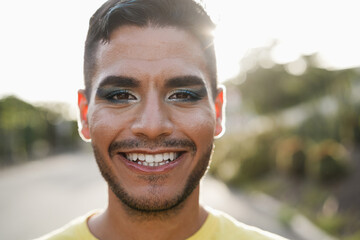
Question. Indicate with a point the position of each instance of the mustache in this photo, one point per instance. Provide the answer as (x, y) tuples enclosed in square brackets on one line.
[(150, 144)]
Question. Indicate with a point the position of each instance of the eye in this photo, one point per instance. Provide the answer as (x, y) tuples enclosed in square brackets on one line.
[(116, 95), (120, 95), (184, 95)]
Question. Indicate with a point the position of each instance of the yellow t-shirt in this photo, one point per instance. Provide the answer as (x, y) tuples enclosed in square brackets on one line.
[(218, 226)]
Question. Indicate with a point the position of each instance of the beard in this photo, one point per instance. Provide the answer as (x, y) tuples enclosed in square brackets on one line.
[(152, 202)]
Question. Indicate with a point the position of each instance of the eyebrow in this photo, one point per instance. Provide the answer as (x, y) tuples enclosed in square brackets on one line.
[(128, 82), (119, 81), (184, 81)]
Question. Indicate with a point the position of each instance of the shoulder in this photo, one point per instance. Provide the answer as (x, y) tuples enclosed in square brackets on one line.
[(76, 229), (229, 228)]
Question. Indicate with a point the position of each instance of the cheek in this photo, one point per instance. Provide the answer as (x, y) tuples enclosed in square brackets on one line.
[(104, 125), (199, 125)]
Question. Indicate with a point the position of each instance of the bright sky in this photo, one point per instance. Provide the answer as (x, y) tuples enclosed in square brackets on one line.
[(41, 48)]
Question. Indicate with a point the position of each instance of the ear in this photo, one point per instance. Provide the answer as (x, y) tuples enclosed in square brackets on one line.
[(219, 110), (84, 130)]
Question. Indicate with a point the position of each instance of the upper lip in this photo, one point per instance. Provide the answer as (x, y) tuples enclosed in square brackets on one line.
[(145, 146), (150, 151)]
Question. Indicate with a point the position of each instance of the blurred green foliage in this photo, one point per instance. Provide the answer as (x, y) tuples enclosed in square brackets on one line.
[(28, 132), (296, 137)]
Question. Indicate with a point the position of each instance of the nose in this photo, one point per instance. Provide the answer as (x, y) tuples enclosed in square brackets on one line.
[(153, 119)]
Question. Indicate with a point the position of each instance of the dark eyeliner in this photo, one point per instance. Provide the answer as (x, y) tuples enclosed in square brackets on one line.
[(198, 94), (201, 92), (195, 95), (109, 93)]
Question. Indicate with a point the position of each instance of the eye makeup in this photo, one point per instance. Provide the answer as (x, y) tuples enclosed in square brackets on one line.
[(187, 95), (115, 95)]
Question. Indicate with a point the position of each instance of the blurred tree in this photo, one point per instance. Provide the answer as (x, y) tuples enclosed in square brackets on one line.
[(304, 125), (28, 132), (270, 90)]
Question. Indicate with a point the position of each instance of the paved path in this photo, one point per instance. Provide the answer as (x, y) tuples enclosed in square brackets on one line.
[(42, 195)]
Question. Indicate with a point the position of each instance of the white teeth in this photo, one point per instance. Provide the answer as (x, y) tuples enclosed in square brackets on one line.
[(159, 158), (149, 158), (152, 159), (141, 157)]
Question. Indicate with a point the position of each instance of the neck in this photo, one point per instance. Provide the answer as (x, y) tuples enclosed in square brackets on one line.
[(120, 222)]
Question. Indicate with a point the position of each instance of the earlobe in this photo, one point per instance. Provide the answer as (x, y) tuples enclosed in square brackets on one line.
[(84, 130), (219, 109)]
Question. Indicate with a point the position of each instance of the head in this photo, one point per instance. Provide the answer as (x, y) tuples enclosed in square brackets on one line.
[(151, 106)]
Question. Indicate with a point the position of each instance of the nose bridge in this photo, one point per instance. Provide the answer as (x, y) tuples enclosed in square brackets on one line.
[(152, 120), (152, 109)]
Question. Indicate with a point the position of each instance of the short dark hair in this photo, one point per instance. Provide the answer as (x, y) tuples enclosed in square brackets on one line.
[(184, 14)]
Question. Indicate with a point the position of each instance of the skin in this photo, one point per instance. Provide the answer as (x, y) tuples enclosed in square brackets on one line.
[(158, 108)]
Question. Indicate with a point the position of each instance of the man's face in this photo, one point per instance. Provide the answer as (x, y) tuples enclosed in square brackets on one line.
[(151, 117)]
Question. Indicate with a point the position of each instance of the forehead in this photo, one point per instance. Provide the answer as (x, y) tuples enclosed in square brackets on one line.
[(150, 50)]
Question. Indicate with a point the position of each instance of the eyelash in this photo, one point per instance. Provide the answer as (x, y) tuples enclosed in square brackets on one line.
[(189, 96), (110, 96), (125, 96)]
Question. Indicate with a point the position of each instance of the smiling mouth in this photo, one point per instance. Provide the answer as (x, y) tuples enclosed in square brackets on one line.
[(152, 160)]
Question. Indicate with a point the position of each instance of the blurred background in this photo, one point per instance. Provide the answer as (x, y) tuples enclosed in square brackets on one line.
[(292, 72)]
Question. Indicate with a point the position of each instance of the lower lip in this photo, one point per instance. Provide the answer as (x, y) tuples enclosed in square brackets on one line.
[(134, 166)]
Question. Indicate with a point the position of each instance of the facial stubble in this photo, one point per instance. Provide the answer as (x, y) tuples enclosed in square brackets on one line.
[(154, 205)]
